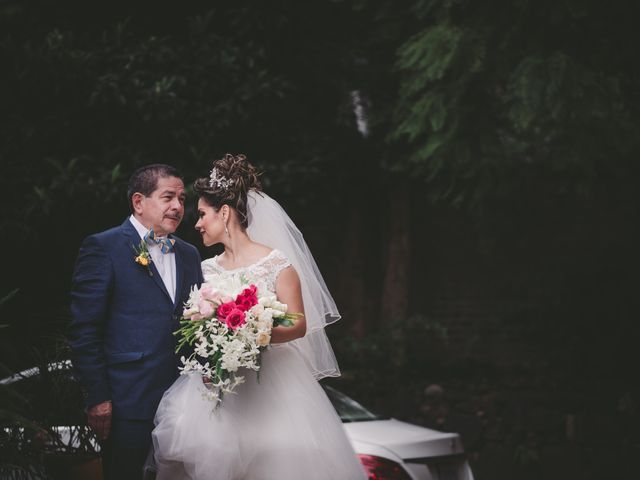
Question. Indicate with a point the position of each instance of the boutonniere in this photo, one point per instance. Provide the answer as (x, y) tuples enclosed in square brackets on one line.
[(143, 257)]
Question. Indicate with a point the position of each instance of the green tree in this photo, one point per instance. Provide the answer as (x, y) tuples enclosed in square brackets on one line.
[(482, 103)]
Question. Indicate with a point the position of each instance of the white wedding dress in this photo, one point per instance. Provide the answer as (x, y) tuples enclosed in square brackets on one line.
[(279, 426)]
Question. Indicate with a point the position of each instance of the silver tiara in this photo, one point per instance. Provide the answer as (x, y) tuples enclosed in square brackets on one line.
[(219, 181)]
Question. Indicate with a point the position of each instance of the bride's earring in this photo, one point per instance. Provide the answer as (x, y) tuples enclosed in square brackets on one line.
[(226, 230)]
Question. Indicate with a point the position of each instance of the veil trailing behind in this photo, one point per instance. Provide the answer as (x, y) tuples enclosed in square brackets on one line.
[(270, 225)]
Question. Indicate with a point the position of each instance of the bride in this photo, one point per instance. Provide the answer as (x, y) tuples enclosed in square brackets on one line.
[(280, 424)]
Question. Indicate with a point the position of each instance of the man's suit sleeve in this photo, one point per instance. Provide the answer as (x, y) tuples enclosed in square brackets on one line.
[(90, 292)]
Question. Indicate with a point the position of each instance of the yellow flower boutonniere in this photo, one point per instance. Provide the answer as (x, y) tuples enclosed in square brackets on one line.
[(143, 257)]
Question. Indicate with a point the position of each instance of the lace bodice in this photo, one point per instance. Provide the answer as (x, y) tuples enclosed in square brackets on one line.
[(265, 271)]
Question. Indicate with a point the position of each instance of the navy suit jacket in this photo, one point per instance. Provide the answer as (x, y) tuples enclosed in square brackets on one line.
[(123, 319)]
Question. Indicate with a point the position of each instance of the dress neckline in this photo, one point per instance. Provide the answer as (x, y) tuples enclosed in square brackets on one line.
[(232, 270)]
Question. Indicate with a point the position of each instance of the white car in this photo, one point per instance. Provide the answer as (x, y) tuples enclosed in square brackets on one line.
[(393, 450), (388, 449)]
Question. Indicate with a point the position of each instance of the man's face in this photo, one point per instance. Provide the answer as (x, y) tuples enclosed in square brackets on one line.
[(164, 208)]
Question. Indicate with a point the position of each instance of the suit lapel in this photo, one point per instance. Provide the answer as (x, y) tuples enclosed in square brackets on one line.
[(158, 279), (133, 239)]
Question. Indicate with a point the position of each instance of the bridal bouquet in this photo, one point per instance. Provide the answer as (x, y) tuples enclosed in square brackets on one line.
[(228, 321)]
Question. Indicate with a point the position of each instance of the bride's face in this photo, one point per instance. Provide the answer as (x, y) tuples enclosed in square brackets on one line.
[(210, 223)]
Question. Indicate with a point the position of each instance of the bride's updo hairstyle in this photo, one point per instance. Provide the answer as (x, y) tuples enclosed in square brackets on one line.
[(230, 180)]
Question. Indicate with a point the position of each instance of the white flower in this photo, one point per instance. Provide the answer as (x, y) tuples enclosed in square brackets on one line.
[(266, 301), (212, 395), (282, 307), (264, 339), (190, 312), (199, 333), (201, 349), (266, 316), (230, 284), (194, 297), (190, 365), (264, 326), (212, 325), (183, 361), (231, 361), (231, 355)]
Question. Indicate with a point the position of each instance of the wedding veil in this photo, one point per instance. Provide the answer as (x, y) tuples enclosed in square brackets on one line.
[(270, 225)]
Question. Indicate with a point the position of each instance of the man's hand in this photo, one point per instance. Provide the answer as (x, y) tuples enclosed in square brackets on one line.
[(99, 418)]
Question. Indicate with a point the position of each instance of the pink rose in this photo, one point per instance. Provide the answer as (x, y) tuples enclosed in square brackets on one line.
[(235, 319), (225, 309), (248, 298), (245, 303), (253, 290), (206, 308), (209, 292)]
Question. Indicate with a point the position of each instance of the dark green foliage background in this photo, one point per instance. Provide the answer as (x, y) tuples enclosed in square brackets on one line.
[(508, 130)]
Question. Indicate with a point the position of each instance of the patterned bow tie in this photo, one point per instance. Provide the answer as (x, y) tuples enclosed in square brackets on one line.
[(166, 244)]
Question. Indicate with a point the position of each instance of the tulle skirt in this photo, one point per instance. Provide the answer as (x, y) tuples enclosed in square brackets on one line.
[(280, 425)]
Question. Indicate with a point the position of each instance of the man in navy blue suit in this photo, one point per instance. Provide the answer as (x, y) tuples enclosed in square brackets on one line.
[(124, 311)]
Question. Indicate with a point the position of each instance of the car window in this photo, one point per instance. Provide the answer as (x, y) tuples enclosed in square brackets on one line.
[(348, 409)]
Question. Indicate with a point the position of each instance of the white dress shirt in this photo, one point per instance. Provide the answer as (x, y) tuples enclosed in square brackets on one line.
[(165, 262)]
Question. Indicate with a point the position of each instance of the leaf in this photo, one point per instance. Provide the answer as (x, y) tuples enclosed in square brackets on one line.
[(430, 54), (40, 193), (9, 296), (115, 173), (72, 163), (56, 163)]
